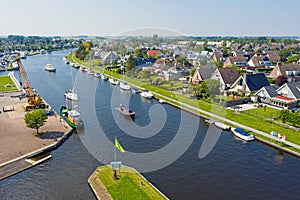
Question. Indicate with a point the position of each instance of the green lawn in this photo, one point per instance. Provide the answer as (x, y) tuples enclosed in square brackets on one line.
[(6, 84), (263, 113), (130, 184)]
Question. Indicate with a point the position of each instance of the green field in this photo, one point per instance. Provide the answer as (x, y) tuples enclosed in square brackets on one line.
[(129, 185), (6, 84)]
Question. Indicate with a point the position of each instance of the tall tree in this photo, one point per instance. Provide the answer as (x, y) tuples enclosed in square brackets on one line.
[(284, 115), (130, 64), (35, 119), (213, 87)]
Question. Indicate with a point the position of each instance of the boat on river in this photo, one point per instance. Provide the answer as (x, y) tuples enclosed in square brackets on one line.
[(219, 125), (50, 68), (113, 81), (72, 117), (124, 85), (242, 134), (134, 90), (146, 94), (126, 112), (71, 95), (97, 74), (103, 77)]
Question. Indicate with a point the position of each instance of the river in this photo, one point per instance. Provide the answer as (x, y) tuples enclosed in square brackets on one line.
[(167, 151)]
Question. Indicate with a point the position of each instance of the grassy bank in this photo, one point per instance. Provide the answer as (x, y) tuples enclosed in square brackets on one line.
[(6, 84), (129, 185), (253, 118)]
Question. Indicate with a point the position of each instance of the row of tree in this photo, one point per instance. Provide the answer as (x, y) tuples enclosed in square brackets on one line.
[(288, 116)]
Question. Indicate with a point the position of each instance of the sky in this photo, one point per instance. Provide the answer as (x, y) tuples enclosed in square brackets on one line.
[(140, 17)]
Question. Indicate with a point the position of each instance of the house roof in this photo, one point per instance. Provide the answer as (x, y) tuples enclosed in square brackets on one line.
[(288, 67), (229, 75), (206, 71), (153, 53), (218, 55), (256, 81), (110, 56), (294, 87), (273, 56), (163, 64), (257, 59), (239, 58), (271, 90)]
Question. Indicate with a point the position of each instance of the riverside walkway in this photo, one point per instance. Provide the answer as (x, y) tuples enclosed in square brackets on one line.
[(207, 114), (197, 110)]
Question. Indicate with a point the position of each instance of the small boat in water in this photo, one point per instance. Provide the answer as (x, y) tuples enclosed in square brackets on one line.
[(83, 68), (146, 94), (218, 124), (134, 90), (242, 134), (103, 77), (67, 62), (124, 85), (113, 81), (71, 95), (97, 74), (50, 68), (126, 112), (90, 71), (72, 117), (77, 66), (162, 101)]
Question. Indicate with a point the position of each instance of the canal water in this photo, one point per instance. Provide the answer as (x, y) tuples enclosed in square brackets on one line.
[(162, 141)]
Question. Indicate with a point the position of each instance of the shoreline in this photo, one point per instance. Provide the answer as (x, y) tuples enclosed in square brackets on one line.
[(207, 115), (21, 143)]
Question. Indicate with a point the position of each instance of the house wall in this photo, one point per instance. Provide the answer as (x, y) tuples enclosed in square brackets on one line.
[(227, 62), (217, 76), (250, 63), (275, 72), (285, 91)]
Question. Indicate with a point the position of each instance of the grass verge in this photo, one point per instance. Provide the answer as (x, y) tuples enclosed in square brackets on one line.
[(6, 84), (129, 185)]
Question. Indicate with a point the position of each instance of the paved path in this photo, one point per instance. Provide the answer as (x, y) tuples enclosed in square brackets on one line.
[(196, 110)]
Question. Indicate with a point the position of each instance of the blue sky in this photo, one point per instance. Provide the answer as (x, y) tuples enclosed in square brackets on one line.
[(172, 17)]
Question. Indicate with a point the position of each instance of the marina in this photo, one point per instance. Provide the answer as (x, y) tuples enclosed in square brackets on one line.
[(211, 177)]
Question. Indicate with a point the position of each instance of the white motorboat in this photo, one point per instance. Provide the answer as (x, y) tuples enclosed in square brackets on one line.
[(103, 77), (71, 95), (134, 90), (90, 71), (50, 68), (97, 74), (219, 125), (124, 85), (113, 81), (83, 68), (244, 135), (162, 101), (146, 94)]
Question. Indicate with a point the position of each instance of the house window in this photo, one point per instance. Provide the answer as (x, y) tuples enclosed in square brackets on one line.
[(241, 82)]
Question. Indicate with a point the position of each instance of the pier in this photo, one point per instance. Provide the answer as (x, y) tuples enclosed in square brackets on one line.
[(20, 147)]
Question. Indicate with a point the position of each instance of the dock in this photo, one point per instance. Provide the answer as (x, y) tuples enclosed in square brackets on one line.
[(20, 147)]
